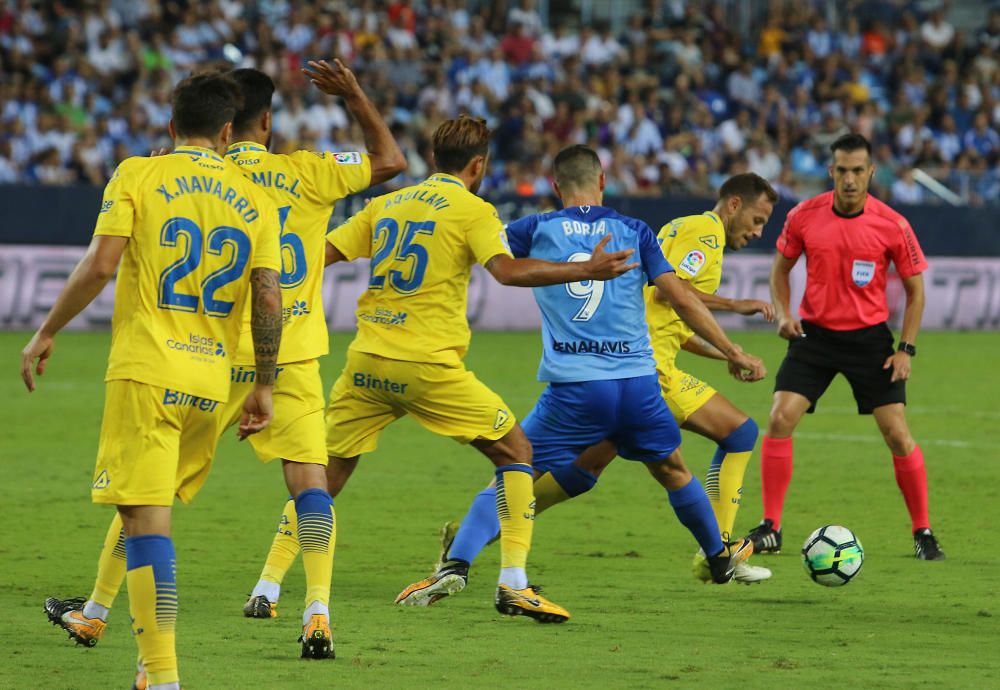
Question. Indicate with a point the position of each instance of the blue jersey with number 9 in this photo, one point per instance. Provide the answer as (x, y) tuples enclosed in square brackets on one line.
[(591, 330)]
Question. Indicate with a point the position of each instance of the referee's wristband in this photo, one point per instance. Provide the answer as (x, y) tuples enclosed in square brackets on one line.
[(908, 348)]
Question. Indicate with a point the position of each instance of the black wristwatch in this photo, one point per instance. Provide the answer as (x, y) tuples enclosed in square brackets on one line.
[(908, 348)]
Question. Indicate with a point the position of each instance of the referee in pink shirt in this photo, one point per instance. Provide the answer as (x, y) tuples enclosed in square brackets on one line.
[(849, 239)]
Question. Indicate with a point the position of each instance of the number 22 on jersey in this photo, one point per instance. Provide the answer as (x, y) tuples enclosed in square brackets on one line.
[(184, 231)]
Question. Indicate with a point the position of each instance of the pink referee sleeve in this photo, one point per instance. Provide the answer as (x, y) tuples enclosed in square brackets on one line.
[(906, 252)]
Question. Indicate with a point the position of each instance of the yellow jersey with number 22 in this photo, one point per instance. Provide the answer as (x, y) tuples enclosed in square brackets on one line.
[(196, 228)]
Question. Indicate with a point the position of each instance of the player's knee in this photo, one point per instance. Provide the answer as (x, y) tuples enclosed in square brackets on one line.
[(781, 423), (338, 471), (899, 440), (742, 439), (574, 480)]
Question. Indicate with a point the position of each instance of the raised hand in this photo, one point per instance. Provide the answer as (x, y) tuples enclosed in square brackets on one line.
[(333, 80)]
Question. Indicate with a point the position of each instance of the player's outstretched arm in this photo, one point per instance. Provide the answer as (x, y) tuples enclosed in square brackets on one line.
[(265, 327), (387, 159), (89, 277), (901, 361), (781, 294), (697, 345), (746, 307), (602, 265), (683, 298)]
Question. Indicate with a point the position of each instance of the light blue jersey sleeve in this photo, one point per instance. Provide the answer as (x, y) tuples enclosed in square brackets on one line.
[(519, 236)]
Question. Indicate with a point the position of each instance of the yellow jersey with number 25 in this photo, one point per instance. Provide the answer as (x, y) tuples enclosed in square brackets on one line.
[(422, 241), (694, 246), (196, 227), (305, 186)]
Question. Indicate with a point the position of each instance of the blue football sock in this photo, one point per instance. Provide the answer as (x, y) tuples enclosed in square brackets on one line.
[(695, 512), (480, 526)]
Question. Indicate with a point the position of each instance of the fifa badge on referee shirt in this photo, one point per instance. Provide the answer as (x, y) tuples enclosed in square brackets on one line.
[(862, 272)]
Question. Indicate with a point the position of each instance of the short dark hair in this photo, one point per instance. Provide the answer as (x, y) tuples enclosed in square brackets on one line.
[(458, 141), (204, 103), (257, 89), (851, 142), (748, 187), (576, 165)]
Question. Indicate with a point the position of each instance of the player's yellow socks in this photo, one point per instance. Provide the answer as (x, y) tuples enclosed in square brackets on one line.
[(548, 492), (152, 594), (516, 510), (317, 537), (111, 565), (284, 546), (724, 483), (561, 484)]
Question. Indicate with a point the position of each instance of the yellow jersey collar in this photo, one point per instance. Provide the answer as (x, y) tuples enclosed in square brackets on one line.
[(445, 177), (241, 146), (198, 151), (714, 216)]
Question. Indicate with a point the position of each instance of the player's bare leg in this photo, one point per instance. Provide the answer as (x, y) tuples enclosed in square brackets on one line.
[(776, 467), (152, 590), (317, 537), (735, 434), (911, 477)]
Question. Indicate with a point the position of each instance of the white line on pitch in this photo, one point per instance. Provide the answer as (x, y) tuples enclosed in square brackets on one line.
[(875, 438)]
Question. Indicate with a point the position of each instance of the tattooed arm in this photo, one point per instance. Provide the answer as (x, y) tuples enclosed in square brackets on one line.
[(265, 326)]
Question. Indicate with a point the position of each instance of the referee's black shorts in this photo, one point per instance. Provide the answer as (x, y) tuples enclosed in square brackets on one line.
[(813, 361)]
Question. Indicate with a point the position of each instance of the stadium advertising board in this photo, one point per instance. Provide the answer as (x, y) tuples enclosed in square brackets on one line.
[(962, 293)]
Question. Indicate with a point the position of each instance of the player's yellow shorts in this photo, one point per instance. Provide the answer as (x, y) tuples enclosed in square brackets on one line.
[(155, 443), (372, 392), (297, 431), (685, 394)]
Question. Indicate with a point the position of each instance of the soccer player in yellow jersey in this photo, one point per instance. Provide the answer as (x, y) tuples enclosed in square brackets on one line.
[(413, 334), (305, 186), (694, 245), (192, 240)]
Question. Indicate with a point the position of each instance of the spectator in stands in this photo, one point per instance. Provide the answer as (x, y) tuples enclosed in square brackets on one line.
[(905, 190), (698, 89)]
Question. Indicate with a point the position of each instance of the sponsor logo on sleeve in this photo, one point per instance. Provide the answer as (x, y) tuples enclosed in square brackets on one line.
[(106, 206), (862, 272), (692, 262), (710, 241), (348, 158)]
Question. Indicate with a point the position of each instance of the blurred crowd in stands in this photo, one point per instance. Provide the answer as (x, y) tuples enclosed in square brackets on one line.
[(675, 100)]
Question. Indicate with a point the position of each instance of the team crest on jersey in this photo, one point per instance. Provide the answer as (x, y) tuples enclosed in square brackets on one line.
[(862, 272), (711, 241), (348, 158), (102, 481), (692, 262), (502, 417)]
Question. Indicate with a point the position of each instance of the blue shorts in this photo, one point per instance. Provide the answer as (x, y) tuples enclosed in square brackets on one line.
[(570, 417)]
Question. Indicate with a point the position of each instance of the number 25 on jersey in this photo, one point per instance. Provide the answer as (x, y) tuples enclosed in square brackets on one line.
[(408, 252)]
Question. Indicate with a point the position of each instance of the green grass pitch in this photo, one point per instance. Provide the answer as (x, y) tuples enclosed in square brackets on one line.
[(616, 558)]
